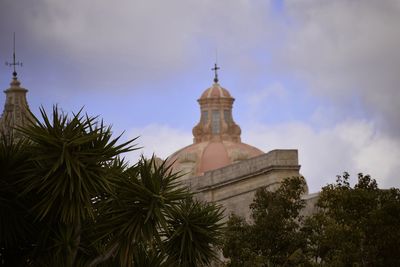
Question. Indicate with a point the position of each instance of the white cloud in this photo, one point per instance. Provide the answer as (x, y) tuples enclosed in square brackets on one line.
[(262, 102), (138, 40), (353, 146), (342, 49), (345, 50), (161, 140), (274, 91)]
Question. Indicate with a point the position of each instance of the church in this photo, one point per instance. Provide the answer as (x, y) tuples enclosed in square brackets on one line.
[(218, 166)]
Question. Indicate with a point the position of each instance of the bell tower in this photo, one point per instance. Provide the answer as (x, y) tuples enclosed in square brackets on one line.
[(16, 111)]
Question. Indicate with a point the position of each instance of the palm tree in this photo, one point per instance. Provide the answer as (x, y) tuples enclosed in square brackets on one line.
[(17, 228), (192, 227), (72, 201)]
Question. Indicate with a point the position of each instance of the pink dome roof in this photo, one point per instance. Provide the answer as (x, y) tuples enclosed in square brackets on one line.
[(198, 158), (214, 156), (216, 91)]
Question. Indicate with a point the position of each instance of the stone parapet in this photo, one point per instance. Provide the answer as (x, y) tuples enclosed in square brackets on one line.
[(280, 159), (234, 186)]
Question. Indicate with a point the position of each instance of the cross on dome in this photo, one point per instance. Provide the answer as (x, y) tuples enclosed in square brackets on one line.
[(215, 69)]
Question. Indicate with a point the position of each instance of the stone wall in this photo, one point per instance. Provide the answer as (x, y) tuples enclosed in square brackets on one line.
[(234, 186), (311, 204)]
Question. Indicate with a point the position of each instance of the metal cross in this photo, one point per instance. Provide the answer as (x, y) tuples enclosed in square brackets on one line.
[(14, 62), (215, 69)]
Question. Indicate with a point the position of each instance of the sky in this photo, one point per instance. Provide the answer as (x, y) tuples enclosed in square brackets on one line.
[(318, 76)]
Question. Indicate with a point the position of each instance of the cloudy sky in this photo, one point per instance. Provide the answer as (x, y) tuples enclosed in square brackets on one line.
[(319, 76)]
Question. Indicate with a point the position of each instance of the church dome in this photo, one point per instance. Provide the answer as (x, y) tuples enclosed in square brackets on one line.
[(198, 158), (215, 91), (216, 141)]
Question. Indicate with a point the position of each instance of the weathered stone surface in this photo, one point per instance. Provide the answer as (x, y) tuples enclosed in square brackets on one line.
[(16, 111), (234, 186)]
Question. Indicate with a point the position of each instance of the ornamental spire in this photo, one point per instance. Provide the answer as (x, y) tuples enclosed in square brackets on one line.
[(16, 111), (14, 63)]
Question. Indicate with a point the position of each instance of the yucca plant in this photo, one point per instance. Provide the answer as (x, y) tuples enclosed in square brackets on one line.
[(194, 231), (133, 216), (73, 201), (153, 220), (65, 165), (70, 158), (17, 229)]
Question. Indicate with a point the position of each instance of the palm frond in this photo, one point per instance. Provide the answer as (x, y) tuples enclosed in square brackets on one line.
[(194, 232), (70, 158), (136, 211)]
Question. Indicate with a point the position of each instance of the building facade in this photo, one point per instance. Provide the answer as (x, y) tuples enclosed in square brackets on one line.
[(218, 167)]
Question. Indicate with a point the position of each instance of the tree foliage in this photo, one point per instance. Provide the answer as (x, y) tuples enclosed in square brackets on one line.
[(352, 226), (356, 225), (273, 237), (67, 198)]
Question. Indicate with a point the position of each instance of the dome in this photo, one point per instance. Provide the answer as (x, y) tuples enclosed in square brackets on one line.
[(215, 91), (196, 159), (216, 141)]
